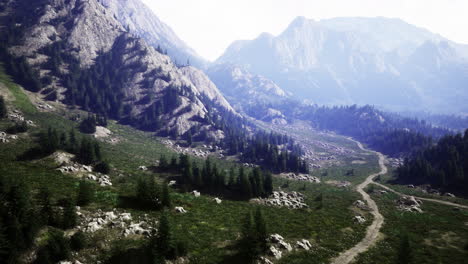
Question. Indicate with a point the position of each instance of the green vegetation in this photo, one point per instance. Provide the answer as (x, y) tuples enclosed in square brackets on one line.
[(438, 235), (444, 166)]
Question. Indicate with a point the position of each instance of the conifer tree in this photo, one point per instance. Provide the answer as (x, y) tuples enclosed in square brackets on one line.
[(70, 218), (162, 242), (46, 212), (3, 108), (166, 199)]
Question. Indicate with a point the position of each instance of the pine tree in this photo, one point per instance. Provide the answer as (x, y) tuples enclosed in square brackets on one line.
[(247, 241), (3, 109), (69, 219), (163, 164), (162, 242), (268, 184), (404, 251), (166, 198), (261, 233), (46, 212)]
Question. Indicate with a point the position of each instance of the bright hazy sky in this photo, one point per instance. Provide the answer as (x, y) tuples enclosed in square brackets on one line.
[(209, 26)]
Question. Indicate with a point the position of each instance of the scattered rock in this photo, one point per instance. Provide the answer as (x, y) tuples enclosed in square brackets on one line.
[(359, 219), (112, 219), (450, 195), (409, 204), (143, 168), (303, 244), (264, 260), (196, 193), (362, 205), (275, 238), (217, 200), (292, 200), (275, 252), (171, 183), (102, 132), (301, 177), (285, 245), (339, 184), (180, 210)]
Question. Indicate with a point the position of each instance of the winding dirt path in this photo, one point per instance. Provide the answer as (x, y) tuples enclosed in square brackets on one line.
[(372, 232)]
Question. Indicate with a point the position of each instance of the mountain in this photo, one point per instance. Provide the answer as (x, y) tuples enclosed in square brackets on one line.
[(78, 53), (138, 19), (380, 61)]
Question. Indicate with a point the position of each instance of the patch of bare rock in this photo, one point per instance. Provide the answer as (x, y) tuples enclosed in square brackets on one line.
[(5, 138), (339, 184), (124, 222), (300, 177), (291, 200), (278, 247), (409, 204)]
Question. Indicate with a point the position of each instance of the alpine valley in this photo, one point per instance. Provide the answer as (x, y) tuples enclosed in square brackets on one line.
[(338, 141)]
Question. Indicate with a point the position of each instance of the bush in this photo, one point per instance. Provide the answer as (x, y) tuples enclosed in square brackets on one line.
[(18, 128), (78, 241), (86, 193), (102, 167)]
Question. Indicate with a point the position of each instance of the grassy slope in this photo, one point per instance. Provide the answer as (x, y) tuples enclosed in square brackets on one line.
[(210, 229), (439, 235)]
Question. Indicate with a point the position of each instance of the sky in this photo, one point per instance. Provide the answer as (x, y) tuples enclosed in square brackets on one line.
[(210, 26)]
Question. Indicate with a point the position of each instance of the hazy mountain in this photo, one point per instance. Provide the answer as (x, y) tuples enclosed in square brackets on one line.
[(380, 61), (84, 56), (135, 16)]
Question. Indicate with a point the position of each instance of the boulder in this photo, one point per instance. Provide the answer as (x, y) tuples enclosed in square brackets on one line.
[(273, 251), (275, 238), (303, 244), (361, 205), (285, 245), (264, 260), (217, 200), (180, 209), (359, 219), (196, 193), (143, 168), (171, 183)]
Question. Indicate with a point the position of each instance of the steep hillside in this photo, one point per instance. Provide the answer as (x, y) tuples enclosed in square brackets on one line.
[(378, 61), (80, 54), (248, 92), (138, 19)]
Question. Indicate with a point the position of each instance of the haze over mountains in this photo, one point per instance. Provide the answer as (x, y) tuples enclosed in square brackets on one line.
[(380, 61)]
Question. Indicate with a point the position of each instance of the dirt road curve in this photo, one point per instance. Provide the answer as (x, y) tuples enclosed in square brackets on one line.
[(372, 232)]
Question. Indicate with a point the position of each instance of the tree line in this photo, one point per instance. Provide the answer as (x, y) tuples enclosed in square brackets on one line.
[(388, 133), (444, 165), (23, 214), (208, 178)]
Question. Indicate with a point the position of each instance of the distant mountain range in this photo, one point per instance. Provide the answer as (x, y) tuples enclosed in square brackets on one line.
[(380, 61)]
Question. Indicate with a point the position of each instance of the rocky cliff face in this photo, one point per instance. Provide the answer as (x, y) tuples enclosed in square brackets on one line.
[(119, 71), (359, 60), (135, 16), (244, 89)]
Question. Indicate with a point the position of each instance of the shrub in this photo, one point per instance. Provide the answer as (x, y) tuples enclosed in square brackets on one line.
[(102, 167)]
